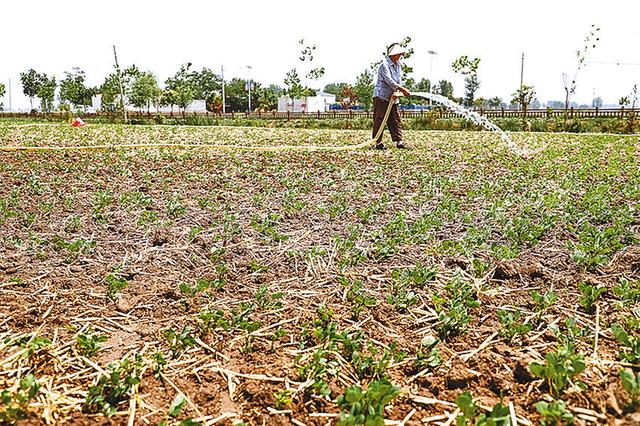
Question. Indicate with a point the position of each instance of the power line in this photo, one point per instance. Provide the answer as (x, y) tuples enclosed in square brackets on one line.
[(620, 64)]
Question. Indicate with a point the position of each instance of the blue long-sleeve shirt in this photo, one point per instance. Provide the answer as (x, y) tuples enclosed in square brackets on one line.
[(389, 79)]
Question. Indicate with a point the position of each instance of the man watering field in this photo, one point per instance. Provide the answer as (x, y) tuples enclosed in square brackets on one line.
[(388, 82)]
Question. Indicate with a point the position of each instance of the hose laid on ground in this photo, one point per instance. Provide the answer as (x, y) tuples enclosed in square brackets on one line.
[(211, 146)]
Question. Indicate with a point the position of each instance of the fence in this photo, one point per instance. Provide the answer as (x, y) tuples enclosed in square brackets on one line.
[(489, 113)]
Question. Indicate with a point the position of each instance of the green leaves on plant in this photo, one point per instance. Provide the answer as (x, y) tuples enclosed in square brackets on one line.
[(469, 416), (366, 408), (13, 405), (559, 367), (453, 307), (114, 388), (511, 325), (590, 295), (554, 413), (630, 344), (631, 385), (89, 342)]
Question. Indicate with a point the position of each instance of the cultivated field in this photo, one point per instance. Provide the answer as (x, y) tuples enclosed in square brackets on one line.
[(152, 286)]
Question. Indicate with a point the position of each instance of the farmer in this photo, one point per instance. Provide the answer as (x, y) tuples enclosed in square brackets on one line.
[(389, 81)]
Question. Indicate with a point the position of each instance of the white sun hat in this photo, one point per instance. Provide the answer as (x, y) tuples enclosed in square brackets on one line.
[(396, 49)]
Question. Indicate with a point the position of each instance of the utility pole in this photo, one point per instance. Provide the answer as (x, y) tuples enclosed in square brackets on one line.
[(249, 67), (124, 108), (224, 107), (522, 74), (431, 53)]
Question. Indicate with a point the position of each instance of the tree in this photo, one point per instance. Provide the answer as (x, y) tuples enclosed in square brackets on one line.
[(74, 90), (3, 90), (183, 86), (267, 98), (207, 85), (524, 96), (363, 88), (47, 92), (495, 102), (295, 89), (590, 42), (335, 89), (237, 97), (469, 68), (30, 81), (424, 85), (169, 97), (597, 102), (445, 88), (348, 97), (145, 91), (110, 88), (624, 101)]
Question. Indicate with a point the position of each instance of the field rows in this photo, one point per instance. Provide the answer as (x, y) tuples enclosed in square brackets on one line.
[(166, 285)]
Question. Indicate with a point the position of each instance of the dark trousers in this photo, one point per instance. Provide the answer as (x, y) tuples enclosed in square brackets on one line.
[(393, 122)]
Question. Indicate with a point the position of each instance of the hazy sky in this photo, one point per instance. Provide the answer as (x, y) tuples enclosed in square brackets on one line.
[(53, 36)]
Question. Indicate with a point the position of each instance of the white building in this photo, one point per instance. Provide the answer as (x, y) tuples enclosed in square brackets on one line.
[(318, 103), (198, 105)]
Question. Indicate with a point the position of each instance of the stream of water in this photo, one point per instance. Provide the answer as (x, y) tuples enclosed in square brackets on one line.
[(473, 117)]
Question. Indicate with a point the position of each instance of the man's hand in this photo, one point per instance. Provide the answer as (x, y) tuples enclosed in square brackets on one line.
[(404, 91)]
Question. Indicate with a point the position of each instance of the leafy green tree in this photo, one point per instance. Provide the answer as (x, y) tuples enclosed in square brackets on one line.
[(445, 88), (424, 85), (364, 88), (183, 85), (495, 102), (110, 88), (524, 96), (335, 89), (237, 96), (266, 98), (145, 91), (295, 89), (207, 85), (469, 68), (74, 90), (30, 81), (47, 92), (169, 98)]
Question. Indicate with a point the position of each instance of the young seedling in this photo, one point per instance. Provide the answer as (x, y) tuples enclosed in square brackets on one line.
[(470, 416), (14, 405), (179, 341), (89, 342), (559, 368), (453, 307), (114, 388), (427, 355), (590, 295), (357, 296), (114, 285), (628, 292), (631, 385), (360, 407), (284, 398), (543, 301), (554, 413), (511, 325), (630, 344)]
